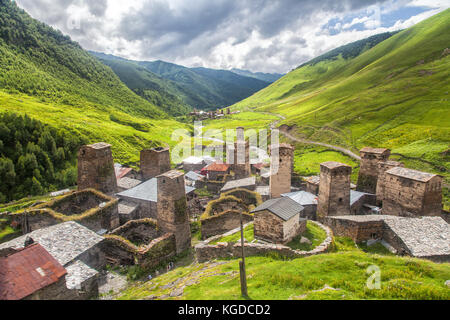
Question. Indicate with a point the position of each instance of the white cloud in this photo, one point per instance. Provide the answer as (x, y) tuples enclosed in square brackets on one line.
[(259, 35)]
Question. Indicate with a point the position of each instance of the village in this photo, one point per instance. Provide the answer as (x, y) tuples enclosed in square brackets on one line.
[(120, 216)]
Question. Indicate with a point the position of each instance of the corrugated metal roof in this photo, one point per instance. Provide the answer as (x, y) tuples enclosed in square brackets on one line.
[(194, 176), (27, 271), (285, 208), (356, 195), (302, 197)]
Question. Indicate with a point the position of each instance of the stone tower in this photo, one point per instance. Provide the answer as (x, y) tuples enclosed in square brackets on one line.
[(241, 164), (172, 212), (368, 173), (154, 162), (383, 167), (281, 167), (334, 190), (96, 168)]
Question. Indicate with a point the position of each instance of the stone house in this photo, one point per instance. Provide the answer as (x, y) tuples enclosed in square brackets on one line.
[(409, 192), (312, 184), (78, 249), (425, 237), (383, 167), (278, 220), (216, 171), (31, 273)]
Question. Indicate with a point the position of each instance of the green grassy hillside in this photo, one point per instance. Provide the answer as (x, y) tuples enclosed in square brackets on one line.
[(392, 95), (46, 76), (204, 88), (341, 275)]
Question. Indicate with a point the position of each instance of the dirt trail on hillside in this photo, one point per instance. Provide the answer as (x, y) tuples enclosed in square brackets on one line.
[(289, 136)]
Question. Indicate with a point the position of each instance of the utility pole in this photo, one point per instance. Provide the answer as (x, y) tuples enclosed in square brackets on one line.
[(242, 264)]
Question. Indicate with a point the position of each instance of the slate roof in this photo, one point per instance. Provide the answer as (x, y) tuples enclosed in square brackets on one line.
[(313, 179), (374, 150), (65, 241), (411, 174), (302, 197), (242, 183), (128, 183), (146, 191), (285, 208), (194, 176), (27, 271)]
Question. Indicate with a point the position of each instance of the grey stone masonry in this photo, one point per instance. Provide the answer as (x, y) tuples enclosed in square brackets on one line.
[(172, 215), (154, 162), (96, 168), (368, 173), (334, 190), (281, 167)]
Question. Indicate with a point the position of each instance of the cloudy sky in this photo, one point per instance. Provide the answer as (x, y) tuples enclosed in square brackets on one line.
[(257, 35)]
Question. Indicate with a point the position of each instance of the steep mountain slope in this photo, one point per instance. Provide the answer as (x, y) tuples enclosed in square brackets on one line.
[(206, 88), (46, 76), (267, 77), (161, 92), (392, 95)]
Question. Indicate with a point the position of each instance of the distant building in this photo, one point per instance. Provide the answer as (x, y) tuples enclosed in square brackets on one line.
[(312, 184), (192, 178), (215, 171), (278, 220)]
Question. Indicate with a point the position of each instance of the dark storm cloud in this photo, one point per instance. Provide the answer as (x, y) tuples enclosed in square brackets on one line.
[(198, 31)]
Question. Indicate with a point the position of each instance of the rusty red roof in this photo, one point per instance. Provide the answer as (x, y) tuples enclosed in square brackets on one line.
[(218, 167), (26, 271), (121, 171)]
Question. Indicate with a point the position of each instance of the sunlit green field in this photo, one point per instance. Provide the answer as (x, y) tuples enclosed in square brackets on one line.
[(97, 125), (340, 275)]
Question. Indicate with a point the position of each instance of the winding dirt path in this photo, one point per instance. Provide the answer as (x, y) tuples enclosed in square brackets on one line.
[(274, 125)]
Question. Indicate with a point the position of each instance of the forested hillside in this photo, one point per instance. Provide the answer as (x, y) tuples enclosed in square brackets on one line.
[(35, 158), (66, 95), (178, 86)]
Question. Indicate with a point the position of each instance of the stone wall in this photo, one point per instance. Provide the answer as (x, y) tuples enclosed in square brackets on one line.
[(357, 207), (205, 251), (223, 222), (96, 168), (119, 251), (359, 231), (103, 216)]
